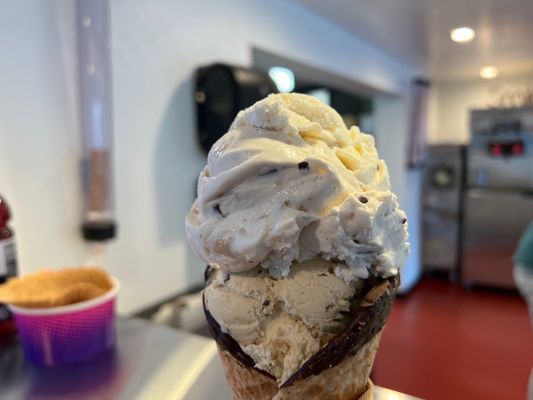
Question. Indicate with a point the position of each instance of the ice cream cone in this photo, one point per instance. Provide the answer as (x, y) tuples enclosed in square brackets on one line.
[(348, 380), (305, 239), (338, 371)]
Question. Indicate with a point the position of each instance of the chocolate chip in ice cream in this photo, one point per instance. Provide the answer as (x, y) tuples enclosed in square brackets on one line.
[(303, 165), (218, 210), (363, 199)]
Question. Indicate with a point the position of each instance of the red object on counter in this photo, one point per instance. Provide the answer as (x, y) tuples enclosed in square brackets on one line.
[(8, 266)]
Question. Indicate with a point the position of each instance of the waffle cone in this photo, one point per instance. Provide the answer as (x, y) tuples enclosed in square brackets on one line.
[(348, 380), (338, 371)]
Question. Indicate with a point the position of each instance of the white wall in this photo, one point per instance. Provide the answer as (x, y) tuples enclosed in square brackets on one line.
[(392, 122), (157, 46), (451, 101)]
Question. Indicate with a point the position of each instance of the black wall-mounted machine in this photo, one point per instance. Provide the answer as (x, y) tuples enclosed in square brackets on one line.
[(221, 91)]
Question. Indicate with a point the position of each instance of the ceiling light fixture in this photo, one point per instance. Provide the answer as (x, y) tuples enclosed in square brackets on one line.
[(489, 72), (283, 78), (463, 34)]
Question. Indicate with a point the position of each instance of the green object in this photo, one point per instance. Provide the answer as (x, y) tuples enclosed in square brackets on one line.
[(524, 252)]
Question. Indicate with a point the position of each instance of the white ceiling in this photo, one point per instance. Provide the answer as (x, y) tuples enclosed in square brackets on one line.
[(417, 32)]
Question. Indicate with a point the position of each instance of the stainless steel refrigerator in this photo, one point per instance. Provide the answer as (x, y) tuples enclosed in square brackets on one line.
[(441, 209), (498, 200)]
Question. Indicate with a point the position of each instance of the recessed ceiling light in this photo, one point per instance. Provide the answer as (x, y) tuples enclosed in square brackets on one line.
[(489, 72), (463, 34)]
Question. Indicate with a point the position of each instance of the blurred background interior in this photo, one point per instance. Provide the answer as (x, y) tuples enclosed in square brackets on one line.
[(451, 112)]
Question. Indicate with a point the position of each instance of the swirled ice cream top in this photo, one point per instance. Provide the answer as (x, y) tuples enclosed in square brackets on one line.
[(290, 182)]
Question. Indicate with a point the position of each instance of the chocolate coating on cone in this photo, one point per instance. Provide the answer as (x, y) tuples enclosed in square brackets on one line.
[(226, 342), (368, 320)]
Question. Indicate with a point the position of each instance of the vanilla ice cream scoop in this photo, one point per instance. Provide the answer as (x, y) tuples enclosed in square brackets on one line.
[(314, 294), (290, 182), (240, 302)]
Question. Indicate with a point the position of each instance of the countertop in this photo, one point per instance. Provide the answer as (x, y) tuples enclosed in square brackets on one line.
[(149, 362)]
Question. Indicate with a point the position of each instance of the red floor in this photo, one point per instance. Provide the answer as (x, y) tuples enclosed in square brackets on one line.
[(444, 342)]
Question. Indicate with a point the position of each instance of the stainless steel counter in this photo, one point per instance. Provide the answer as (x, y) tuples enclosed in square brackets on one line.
[(149, 362)]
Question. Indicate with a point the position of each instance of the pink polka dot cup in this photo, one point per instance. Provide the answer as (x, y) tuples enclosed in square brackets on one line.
[(68, 334)]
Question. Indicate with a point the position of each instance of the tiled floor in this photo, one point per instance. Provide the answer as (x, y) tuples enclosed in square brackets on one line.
[(444, 342)]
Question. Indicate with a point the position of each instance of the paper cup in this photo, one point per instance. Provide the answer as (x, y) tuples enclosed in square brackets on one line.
[(68, 334)]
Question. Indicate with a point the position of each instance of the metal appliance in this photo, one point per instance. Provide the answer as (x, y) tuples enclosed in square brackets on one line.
[(441, 205), (499, 196)]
